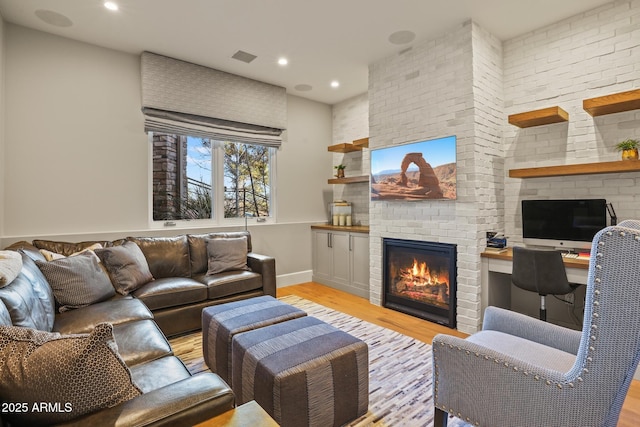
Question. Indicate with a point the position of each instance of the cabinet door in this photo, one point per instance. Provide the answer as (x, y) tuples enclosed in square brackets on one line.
[(322, 255), (340, 256), (360, 261)]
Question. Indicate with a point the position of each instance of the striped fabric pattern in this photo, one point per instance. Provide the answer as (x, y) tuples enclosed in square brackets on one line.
[(220, 323), (303, 372)]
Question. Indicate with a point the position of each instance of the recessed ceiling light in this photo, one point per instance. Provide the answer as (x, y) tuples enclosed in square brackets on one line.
[(111, 5), (283, 61), (335, 84)]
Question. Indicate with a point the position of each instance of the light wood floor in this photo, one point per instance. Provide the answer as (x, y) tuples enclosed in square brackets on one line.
[(418, 329)]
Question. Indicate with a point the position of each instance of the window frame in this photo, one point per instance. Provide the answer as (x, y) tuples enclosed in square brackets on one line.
[(217, 184)]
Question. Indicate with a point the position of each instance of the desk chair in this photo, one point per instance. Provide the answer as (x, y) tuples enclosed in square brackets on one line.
[(540, 271)]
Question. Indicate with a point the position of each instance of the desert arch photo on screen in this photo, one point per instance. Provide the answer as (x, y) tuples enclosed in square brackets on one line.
[(423, 170)]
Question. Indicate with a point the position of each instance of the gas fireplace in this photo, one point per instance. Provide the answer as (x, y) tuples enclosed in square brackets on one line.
[(420, 279)]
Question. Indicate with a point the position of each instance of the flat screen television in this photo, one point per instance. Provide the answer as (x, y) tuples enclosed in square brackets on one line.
[(423, 170), (569, 224)]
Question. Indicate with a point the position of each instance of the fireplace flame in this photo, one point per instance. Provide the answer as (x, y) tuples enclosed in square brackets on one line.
[(419, 274)]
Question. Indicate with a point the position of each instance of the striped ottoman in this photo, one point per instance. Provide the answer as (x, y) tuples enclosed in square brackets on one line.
[(220, 323), (303, 372)]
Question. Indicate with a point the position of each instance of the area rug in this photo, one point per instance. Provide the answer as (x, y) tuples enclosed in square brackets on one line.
[(400, 370)]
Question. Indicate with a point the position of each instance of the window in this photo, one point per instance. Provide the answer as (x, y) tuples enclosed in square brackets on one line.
[(199, 178)]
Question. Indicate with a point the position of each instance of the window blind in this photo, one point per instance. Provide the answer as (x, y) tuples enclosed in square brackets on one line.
[(183, 98)]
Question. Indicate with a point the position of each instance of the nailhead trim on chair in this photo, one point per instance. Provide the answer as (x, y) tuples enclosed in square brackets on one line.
[(593, 337)]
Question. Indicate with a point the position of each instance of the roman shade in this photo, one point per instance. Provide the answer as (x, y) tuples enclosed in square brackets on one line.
[(187, 99)]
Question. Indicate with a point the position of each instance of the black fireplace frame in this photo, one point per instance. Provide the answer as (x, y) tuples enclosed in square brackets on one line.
[(416, 308)]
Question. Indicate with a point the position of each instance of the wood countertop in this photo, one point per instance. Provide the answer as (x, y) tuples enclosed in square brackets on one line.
[(508, 256), (352, 229)]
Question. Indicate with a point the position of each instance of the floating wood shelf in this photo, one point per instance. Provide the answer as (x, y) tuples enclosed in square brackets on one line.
[(616, 103), (345, 147), (578, 169), (363, 142), (349, 180), (545, 116)]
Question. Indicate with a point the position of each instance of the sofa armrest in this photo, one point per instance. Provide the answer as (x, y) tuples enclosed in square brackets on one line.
[(520, 325), (186, 402), (266, 266)]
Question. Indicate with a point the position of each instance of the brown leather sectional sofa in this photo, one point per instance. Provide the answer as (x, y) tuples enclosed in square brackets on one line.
[(169, 305)]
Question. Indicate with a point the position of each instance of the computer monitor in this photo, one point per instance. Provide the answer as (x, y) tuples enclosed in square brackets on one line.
[(562, 224)]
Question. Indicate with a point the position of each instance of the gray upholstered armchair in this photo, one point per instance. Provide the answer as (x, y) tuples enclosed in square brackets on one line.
[(521, 371)]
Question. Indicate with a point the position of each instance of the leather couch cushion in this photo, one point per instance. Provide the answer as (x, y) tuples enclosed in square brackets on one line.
[(198, 248), (84, 372), (158, 373), (140, 341), (5, 318), (127, 267), (226, 254), (171, 292), (77, 281), (114, 311), (231, 283), (29, 299), (166, 256), (68, 248)]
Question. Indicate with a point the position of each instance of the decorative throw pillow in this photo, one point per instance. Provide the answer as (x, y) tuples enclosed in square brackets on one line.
[(227, 254), (10, 266), (77, 281), (126, 265), (52, 256), (80, 373)]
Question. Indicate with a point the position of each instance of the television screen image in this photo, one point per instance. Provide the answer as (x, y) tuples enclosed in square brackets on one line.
[(424, 170)]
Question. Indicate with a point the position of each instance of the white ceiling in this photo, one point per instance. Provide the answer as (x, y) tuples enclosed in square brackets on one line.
[(324, 40)]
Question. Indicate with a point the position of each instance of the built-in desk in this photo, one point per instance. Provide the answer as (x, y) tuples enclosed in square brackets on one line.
[(496, 277)]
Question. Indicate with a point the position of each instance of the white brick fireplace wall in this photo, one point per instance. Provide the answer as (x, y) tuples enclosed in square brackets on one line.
[(447, 86), (592, 54)]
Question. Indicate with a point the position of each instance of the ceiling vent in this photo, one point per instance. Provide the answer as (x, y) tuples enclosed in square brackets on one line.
[(244, 56)]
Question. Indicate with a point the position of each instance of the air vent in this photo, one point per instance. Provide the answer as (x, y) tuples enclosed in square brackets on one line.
[(244, 56)]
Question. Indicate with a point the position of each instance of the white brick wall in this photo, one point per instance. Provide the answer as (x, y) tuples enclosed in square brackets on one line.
[(447, 86), (592, 54), (351, 122)]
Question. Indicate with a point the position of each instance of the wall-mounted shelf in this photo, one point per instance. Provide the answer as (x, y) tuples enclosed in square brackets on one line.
[(349, 180), (545, 116), (616, 103), (349, 147), (577, 169), (345, 147), (362, 142)]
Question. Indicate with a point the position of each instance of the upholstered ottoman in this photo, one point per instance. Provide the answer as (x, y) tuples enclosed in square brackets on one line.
[(303, 372), (220, 323)]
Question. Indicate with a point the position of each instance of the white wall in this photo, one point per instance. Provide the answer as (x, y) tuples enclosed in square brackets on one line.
[(2, 127), (592, 54), (77, 156)]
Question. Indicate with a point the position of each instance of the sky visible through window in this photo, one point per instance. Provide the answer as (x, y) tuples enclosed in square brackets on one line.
[(436, 152)]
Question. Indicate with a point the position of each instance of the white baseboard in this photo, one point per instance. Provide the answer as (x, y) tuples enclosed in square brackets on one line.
[(293, 278)]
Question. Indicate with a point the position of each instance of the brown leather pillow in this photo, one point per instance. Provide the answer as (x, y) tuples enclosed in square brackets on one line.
[(126, 265), (82, 373)]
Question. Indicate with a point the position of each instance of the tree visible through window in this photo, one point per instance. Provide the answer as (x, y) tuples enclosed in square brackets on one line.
[(184, 180)]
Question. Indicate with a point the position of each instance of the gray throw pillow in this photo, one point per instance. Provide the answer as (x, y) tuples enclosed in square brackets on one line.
[(83, 372), (227, 254), (77, 281), (127, 266)]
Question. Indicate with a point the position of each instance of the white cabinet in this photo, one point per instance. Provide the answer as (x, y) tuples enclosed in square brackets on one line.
[(341, 260)]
